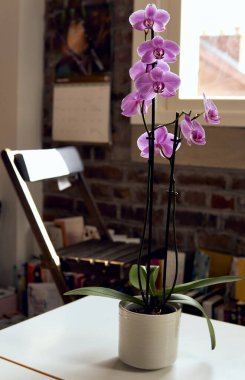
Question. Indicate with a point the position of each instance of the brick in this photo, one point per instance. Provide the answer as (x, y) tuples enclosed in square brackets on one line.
[(105, 172), (122, 193), (101, 191), (205, 180), (195, 219), (222, 202), (235, 224), (193, 198), (238, 183), (99, 153), (240, 247), (107, 210), (158, 217), (58, 202), (86, 152), (140, 196), (241, 204), (129, 212), (217, 241), (161, 177), (137, 175), (82, 209)]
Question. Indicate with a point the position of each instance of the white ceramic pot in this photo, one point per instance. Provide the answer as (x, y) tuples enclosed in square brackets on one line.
[(148, 341)]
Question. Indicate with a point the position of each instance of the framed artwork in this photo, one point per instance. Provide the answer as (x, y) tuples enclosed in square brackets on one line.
[(82, 43), (82, 54)]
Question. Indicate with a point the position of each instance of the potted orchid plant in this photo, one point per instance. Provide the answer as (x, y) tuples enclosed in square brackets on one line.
[(157, 308)]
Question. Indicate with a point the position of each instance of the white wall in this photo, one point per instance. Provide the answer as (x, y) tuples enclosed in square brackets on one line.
[(21, 89)]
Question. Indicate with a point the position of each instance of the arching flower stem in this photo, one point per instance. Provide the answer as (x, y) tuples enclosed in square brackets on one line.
[(171, 190)]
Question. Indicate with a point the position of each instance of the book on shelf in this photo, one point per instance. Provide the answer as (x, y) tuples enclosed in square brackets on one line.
[(239, 270), (219, 263), (42, 297), (211, 303), (201, 266), (240, 309), (219, 312), (72, 229), (56, 234), (171, 268), (34, 270)]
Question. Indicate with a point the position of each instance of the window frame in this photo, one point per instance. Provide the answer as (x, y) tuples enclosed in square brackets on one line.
[(219, 152)]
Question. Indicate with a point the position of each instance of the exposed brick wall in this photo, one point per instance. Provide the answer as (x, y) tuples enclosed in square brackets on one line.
[(211, 202)]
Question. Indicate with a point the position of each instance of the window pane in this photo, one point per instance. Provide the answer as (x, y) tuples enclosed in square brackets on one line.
[(212, 55)]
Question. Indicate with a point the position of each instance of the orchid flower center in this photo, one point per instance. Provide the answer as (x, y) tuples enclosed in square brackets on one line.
[(213, 114), (158, 53), (148, 23), (196, 135), (158, 87)]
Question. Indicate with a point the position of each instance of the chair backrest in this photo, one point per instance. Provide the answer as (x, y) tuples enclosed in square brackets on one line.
[(25, 166)]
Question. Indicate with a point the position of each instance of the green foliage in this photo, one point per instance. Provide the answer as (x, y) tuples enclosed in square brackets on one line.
[(156, 296), (183, 299), (104, 292), (134, 278)]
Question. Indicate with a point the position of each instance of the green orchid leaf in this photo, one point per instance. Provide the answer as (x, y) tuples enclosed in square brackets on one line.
[(183, 299), (134, 280), (104, 292), (204, 282)]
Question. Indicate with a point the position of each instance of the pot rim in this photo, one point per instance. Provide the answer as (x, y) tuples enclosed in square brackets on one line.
[(123, 306)]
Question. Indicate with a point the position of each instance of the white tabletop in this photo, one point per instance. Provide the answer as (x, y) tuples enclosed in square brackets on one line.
[(79, 341)]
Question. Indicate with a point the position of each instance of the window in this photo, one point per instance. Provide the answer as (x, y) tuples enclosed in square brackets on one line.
[(211, 35), (212, 59)]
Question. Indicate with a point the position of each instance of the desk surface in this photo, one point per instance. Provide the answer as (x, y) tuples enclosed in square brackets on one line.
[(79, 341)]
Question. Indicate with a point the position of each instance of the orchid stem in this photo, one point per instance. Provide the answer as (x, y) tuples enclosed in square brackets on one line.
[(170, 194), (175, 244), (151, 180)]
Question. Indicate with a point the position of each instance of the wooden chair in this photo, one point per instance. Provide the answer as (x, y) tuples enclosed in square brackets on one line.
[(24, 166)]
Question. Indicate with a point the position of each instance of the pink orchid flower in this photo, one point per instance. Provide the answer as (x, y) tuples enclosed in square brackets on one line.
[(138, 69), (150, 18), (192, 131), (132, 103), (211, 111), (163, 143), (158, 81), (158, 49)]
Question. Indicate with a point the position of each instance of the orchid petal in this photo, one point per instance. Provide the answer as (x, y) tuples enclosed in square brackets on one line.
[(148, 57), (157, 74), (130, 105), (144, 47), (158, 42), (137, 19), (211, 111), (150, 11), (161, 19), (144, 86), (161, 135), (172, 46), (186, 128), (171, 81), (143, 141), (167, 147), (137, 70), (145, 153), (163, 66)]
